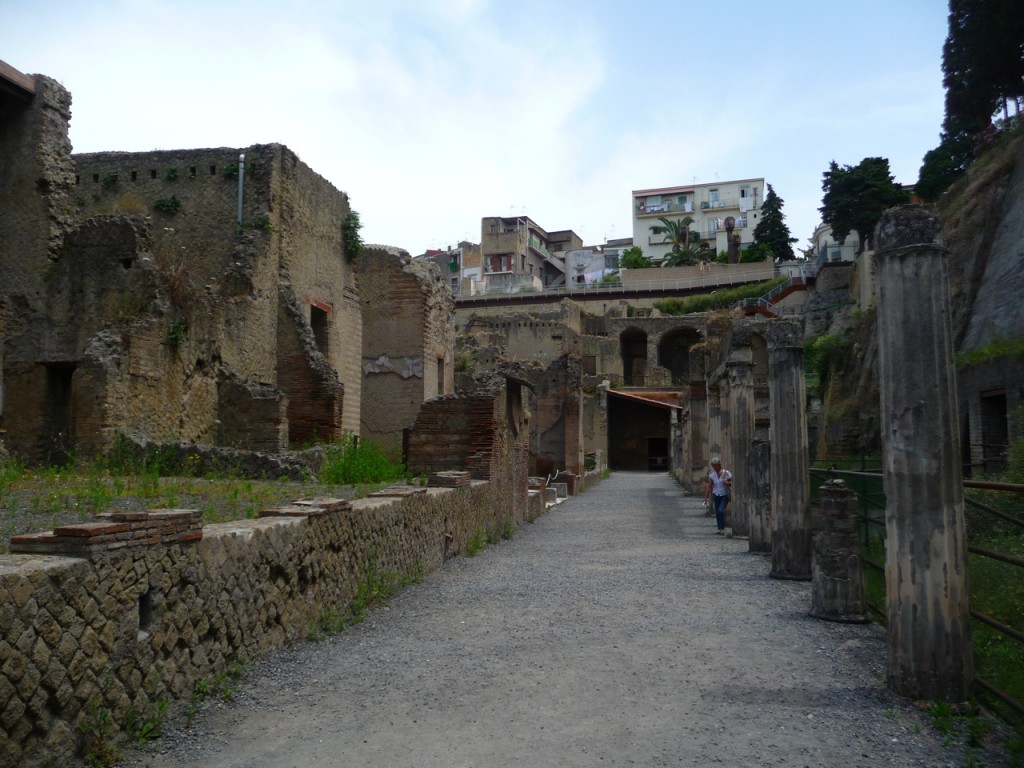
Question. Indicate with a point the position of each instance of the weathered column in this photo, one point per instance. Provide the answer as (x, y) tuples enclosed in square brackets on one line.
[(925, 553), (759, 468), (741, 435), (791, 487), (698, 455), (837, 576)]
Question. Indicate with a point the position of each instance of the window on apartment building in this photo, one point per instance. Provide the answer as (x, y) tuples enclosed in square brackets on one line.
[(522, 262), (745, 190), (713, 195)]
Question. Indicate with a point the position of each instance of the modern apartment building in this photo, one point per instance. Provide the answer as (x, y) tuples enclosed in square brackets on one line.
[(716, 209), (520, 255), (461, 266)]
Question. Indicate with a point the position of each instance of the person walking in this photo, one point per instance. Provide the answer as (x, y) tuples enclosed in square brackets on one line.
[(720, 481)]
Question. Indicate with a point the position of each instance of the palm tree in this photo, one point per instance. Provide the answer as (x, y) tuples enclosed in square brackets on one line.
[(676, 232)]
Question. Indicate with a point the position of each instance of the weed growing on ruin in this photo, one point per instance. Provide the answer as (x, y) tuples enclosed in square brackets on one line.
[(476, 543), (508, 530), (172, 174), (169, 205), (351, 239), (144, 728), (350, 462), (109, 182), (98, 729)]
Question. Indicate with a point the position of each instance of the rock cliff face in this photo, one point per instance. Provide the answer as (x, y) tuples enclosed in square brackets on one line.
[(983, 227)]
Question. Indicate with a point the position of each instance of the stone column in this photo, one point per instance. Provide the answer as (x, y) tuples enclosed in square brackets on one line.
[(929, 631), (760, 470), (791, 487), (837, 577), (740, 437), (698, 425)]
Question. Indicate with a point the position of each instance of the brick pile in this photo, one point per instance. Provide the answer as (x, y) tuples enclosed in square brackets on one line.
[(116, 530)]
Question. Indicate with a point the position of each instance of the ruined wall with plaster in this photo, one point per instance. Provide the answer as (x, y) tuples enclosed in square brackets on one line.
[(407, 341), (143, 605)]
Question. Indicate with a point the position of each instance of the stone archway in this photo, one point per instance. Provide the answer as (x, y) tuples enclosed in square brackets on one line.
[(674, 354)]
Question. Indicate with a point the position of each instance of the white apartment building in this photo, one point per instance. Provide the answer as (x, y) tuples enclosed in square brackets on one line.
[(713, 207)]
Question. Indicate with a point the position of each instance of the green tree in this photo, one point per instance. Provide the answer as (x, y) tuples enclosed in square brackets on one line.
[(771, 233), (982, 62), (856, 196), (677, 233), (633, 258), (982, 71)]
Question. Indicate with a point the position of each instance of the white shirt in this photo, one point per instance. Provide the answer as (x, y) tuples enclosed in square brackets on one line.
[(718, 486)]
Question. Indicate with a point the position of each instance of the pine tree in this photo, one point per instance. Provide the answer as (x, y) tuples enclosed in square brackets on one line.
[(772, 233), (856, 196)]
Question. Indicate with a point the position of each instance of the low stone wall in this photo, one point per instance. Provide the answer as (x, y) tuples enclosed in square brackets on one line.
[(142, 613)]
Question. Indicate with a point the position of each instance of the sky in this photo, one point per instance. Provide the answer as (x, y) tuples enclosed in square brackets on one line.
[(432, 114)]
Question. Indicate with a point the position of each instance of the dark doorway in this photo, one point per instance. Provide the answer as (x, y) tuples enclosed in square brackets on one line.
[(995, 433), (59, 416), (657, 454), (633, 344)]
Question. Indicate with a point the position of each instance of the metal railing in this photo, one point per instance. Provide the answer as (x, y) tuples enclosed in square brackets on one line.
[(714, 278), (871, 499)]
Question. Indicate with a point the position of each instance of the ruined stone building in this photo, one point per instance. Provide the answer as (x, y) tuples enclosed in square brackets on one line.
[(407, 343), (168, 296)]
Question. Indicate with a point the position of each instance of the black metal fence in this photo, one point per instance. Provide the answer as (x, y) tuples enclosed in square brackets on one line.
[(994, 515)]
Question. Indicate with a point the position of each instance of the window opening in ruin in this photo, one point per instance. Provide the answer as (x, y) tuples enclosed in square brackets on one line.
[(152, 174), (674, 354), (440, 375), (213, 170), (95, 178), (78, 179), (127, 263), (135, 175), (590, 365), (318, 320), (57, 434), (145, 614), (192, 172), (633, 344)]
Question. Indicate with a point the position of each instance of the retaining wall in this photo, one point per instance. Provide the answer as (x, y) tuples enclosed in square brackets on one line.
[(153, 602)]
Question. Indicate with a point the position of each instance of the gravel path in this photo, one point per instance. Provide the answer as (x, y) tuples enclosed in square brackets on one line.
[(616, 630)]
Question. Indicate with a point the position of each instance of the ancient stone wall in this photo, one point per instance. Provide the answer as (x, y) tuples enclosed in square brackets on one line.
[(407, 341), (149, 604)]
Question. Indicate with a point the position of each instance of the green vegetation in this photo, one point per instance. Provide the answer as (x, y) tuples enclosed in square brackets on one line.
[(824, 355), (772, 239), (856, 196), (476, 543), (999, 348), (633, 258), (351, 239), (98, 731), (350, 461), (375, 587), (177, 332), (169, 205), (109, 182), (144, 728), (172, 174), (722, 299)]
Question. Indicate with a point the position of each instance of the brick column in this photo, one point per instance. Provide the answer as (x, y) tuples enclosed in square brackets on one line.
[(791, 491), (925, 559), (740, 437)]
